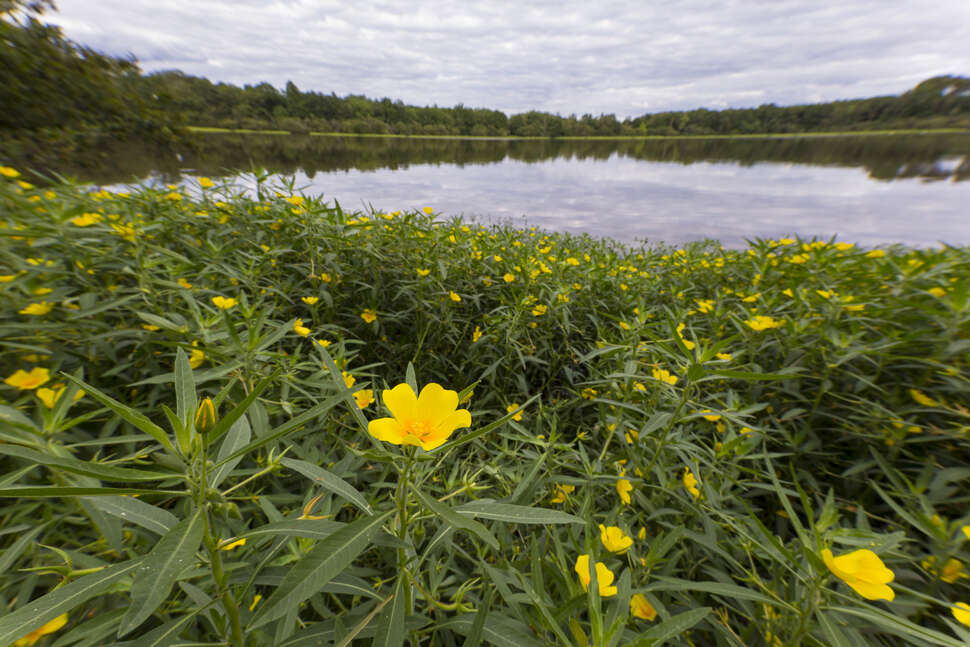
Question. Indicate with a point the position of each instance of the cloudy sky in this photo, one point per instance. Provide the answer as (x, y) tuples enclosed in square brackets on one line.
[(565, 56)]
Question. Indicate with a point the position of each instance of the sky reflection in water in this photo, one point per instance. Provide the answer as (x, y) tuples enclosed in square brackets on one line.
[(632, 200)]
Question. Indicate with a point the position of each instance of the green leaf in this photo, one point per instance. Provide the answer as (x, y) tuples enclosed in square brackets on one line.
[(168, 558), (899, 625), (670, 628), (328, 481), (515, 513), (390, 626), (186, 401), (136, 511), (11, 416), (10, 555), (96, 470), (36, 614), (499, 630), (312, 528), (730, 591), (135, 418), (328, 558), (239, 434), (42, 492), (454, 519), (278, 432), (230, 418)]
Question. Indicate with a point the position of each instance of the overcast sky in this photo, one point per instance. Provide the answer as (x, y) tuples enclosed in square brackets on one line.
[(569, 56)]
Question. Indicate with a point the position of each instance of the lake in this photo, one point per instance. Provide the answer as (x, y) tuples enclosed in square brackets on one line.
[(865, 189)]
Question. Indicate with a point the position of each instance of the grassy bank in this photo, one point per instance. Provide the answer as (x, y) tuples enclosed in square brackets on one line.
[(702, 424), (848, 133)]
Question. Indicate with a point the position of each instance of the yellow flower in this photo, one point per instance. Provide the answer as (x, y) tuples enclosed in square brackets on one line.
[(300, 329), (540, 310), (623, 488), (689, 344), (54, 624), (234, 544), (863, 571), (310, 300), (7, 278), (690, 482), (326, 278), (477, 334), (724, 356), (196, 357), (923, 399), (787, 292), (364, 398), (369, 315), (604, 576), (562, 491), (6, 171), (951, 571), (86, 219), (614, 539), (185, 284), (938, 292), (961, 611), (206, 183), (707, 414), (876, 253), (422, 272), (664, 376), (641, 608), (50, 396), (295, 200), (349, 379), (966, 531), (842, 247), (224, 303), (512, 407), (454, 297), (761, 322), (508, 277), (41, 308), (705, 305), (427, 210), (324, 342), (425, 420), (25, 381)]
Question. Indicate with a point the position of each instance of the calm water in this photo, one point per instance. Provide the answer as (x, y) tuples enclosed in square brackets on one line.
[(869, 190)]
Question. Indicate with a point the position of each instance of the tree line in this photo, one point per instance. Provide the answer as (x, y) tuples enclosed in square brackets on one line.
[(54, 90)]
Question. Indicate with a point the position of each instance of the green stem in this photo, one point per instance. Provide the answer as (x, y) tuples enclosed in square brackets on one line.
[(228, 602)]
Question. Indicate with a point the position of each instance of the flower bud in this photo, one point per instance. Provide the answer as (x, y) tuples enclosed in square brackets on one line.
[(205, 416)]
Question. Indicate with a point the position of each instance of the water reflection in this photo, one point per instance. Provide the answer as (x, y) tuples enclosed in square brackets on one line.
[(865, 189)]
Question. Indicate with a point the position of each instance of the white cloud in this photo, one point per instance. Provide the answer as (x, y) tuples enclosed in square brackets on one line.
[(598, 57)]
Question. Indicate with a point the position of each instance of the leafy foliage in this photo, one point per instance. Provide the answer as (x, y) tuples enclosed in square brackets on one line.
[(815, 391)]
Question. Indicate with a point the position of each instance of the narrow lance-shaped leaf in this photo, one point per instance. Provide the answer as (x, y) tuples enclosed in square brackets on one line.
[(390, 626), (515, 513), (137, 512), (329, 481), (186, 402), (457, 520), (36, 614), (167, 559), (328, 558), (135, 418)]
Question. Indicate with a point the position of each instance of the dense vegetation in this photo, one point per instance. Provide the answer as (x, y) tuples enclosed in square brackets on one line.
[(941, 102), (56, 94), (705, 424)]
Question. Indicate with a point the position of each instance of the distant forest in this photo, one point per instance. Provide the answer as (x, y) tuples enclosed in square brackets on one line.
[(940, 102), (54, 92)]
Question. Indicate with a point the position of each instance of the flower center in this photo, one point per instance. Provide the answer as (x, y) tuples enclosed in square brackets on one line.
[(420, 429)]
